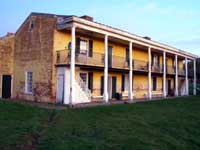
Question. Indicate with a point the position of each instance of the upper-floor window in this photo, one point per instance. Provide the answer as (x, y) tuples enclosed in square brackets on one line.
[(31, 25), (155, 60), (29, 82), (83, 46)]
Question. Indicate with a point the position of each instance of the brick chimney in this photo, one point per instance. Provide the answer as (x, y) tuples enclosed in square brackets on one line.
[(89, 18), (147, 37)]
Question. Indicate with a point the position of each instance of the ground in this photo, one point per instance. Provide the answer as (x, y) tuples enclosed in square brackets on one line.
[(157, 125)]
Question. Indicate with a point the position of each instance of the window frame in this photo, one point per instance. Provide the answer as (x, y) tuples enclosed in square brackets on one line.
[(87, 46), (27, 84)]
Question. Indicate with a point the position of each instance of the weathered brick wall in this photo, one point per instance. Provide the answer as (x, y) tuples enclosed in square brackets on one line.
[(6, 57), (34, 52), (6, 54)]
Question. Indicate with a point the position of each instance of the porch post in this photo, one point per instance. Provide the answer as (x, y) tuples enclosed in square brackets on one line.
[(164, 74), (72, 66), (149, 74), (176, 77), (195, 79), (186, 75), (105, 94), (130, 96)]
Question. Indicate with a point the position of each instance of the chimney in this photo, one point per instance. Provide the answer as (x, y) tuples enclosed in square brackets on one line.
[(89, 18), (147, 37), (9, 34)]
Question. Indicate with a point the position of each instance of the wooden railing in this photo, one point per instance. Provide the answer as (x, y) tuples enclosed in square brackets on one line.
[(170, 70), (181, 71), (157, 68), (140, 65), (63, 57)]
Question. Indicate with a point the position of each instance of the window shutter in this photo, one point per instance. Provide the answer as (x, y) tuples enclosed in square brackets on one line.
[(90, 48), (102, 84), (152, 59), (78, 45), (123, 80), (158, 60), (90, 81)]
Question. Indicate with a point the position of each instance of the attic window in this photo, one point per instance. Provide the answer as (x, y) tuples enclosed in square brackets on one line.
[(31, 25)]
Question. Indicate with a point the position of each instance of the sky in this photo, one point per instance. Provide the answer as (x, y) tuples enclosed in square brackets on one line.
[(173, 22)]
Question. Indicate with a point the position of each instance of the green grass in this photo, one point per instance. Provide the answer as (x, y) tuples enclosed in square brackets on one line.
[(158, 125)]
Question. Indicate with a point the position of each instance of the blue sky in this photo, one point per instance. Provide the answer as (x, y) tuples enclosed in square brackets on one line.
[(173, 22)]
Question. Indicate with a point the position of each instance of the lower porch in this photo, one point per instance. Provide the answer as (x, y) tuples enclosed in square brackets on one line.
[(90, 85)]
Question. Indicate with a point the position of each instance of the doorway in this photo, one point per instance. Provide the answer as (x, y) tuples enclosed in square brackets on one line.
[(60, 89), (6, 86), (112, 87), (169, 88)]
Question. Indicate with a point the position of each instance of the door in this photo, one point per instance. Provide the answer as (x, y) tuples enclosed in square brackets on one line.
[(109, 56), (6, 86), (114, 87), (109, 87), (60, 88), (169, 87)]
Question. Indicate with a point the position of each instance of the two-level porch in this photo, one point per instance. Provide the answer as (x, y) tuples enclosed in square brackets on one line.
[(119, 67)]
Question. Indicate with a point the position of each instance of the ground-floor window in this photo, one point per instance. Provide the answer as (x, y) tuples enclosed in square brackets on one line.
[(29, 82)]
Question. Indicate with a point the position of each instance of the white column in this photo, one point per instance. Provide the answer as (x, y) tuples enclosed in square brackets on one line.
[(195, 79), (164, 74), (176, 76), (149, 75), (105, 95), (72, 66), (130, 96), (186, 76)]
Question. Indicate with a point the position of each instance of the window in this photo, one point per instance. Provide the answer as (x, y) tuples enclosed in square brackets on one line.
[(29, 82), (154, 84), (83, 76), (83, 46), (31, 25)]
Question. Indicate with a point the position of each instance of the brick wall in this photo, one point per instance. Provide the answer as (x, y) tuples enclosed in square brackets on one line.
[(34, 52)]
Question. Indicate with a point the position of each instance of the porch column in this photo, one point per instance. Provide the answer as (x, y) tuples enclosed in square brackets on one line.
[(72, 66), (130, 96), (176, 77), (149, 74), (186, 76), (105, 94), (164, 74), (195, 79)]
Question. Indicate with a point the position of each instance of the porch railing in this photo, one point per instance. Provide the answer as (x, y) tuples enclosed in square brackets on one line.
[(170, 70), (119, 62), (157, 68), (96, 59), (181, 71), (140, 65)]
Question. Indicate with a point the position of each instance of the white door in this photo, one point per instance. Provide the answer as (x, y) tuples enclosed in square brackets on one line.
[(60, 88), (126, 83), (109, 87)]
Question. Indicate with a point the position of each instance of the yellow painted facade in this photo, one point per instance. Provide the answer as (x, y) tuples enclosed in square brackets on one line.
[(140, 82)]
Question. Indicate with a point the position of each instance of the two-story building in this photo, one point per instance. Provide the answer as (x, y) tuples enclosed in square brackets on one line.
[(70, 60)]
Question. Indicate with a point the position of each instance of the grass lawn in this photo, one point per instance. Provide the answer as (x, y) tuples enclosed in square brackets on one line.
[(158, 125)]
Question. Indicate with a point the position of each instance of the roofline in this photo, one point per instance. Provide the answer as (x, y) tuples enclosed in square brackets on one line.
[(40, 14), (128, 34)]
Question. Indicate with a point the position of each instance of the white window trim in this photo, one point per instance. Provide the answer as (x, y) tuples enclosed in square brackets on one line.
[(85, 39), (26, 85)]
